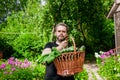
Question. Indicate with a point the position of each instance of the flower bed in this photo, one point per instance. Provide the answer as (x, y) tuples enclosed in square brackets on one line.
[(20, 69), (15, 69), (109, 64)]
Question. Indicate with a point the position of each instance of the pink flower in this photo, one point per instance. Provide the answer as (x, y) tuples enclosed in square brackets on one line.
[(13, 69), (25, 61), (11, 62), (25, 65), (11, 58), (107, 53), (111, 51), (102, 56), (18, 63), (3, 66), (5, 72)]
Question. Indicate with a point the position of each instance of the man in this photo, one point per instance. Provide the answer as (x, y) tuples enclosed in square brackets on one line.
[(61, 33)]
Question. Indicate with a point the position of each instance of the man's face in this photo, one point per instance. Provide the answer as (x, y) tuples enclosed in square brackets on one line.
[(61, 33)]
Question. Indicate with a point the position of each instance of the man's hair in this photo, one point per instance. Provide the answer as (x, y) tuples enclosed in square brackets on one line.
[(60, 24)]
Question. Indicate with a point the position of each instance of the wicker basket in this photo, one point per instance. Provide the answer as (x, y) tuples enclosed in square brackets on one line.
[(70, 63)]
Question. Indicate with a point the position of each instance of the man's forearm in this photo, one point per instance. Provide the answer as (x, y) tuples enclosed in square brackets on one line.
[(46, 51)]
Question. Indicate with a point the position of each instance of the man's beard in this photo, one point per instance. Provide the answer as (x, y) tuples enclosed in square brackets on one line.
[(60, 40)]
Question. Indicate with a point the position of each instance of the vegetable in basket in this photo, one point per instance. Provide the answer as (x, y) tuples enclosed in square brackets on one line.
[(82, 48), (48, 58)]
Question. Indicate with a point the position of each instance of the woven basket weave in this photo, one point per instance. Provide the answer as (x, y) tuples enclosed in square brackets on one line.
[(70, 63)]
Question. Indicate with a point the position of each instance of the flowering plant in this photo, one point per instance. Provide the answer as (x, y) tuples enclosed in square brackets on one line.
[(111, 68), (109, 64), (15, 69), (101, 56)]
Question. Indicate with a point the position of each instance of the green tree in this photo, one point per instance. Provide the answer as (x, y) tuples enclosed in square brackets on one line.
[(26, 30), (87, 21), (7, 6)]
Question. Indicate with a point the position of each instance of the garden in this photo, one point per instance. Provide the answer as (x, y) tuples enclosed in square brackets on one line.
[(26, 26)]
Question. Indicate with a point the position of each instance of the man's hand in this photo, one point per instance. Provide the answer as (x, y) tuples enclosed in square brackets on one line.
[(64, 44)]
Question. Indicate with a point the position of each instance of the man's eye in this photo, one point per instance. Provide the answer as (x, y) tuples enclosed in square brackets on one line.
[(63, 31)]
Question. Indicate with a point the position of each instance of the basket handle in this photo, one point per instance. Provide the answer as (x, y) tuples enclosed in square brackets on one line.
[(73, 44)]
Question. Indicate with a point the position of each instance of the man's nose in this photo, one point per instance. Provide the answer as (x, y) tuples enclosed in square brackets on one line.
[(61, 32)]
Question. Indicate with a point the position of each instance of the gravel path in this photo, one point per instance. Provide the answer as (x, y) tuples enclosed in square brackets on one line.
[(92, 69)]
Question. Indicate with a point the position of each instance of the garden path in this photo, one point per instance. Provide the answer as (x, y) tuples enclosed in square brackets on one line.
[(92, 69)]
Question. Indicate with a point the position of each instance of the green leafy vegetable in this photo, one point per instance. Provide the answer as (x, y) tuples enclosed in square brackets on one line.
[(48, 58), (69, 49), (82, 48)]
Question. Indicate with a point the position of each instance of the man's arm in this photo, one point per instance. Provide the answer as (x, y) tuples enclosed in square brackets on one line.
[(48, 50), (60, 47)]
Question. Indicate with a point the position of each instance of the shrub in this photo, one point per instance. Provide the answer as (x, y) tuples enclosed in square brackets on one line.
[(109, 65), (15, 69), (26, 31), (82, 75)]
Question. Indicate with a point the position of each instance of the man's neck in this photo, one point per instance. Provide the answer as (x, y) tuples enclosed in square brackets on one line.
[(58, 42)]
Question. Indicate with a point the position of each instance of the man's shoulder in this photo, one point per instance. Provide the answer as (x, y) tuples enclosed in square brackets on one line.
[(50, 43)]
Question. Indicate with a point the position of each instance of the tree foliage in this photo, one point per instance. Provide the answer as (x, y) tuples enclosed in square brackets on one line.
[(28, 30), (7, 6), (87, 21)]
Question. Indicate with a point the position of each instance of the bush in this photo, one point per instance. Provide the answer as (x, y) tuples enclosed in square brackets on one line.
[(82, 75), (109, 65), (27, 46), (111, 68), (15, 69), (26, 31)]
